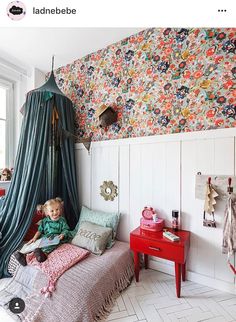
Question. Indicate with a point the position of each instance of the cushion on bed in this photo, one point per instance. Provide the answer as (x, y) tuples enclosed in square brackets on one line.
[(101, 218), (92, 237)]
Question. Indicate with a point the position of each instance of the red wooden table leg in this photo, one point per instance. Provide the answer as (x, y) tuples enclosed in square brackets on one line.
[(184, 272), (145, 261), (178, 278), (136, 266)]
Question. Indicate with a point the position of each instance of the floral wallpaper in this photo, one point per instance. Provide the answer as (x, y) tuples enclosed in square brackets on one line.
[(161, 80)]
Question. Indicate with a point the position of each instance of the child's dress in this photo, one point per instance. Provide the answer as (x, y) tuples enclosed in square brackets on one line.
[(49, 228)]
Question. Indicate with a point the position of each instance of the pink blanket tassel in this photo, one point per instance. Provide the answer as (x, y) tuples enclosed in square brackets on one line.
[(47, 290)]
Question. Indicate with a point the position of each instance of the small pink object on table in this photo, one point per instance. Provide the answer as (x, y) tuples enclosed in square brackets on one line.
[(151, 225), (150, 220)]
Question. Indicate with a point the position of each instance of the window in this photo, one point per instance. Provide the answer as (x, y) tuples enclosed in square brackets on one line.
[(6, 124), (3, 108)]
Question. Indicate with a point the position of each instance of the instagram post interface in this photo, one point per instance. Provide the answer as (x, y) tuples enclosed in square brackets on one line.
[(117, 161)]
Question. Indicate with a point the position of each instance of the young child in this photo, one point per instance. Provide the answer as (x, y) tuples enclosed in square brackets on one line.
[(53, 224)]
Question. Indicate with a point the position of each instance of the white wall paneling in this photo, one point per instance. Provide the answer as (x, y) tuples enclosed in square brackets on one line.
[(105, 167), (124, 193), (160, 171), (135, 185), (83, 161), (224, 164), (206, 156), (224, 156)]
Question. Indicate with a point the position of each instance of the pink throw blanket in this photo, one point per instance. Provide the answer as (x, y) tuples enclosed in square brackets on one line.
[(58, 261)]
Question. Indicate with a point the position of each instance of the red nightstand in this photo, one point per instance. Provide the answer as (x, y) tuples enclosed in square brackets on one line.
[(154, 244)]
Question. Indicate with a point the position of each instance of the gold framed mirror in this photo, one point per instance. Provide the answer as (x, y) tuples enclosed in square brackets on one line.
[(108, 190)]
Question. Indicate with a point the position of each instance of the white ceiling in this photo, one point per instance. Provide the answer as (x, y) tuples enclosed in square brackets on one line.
[(35, 46)]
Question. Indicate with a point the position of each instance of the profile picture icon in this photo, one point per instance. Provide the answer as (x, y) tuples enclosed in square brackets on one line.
[(16, 10), (16, 305)]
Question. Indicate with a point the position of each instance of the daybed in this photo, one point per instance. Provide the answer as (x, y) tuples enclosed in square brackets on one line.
[(84, 293)]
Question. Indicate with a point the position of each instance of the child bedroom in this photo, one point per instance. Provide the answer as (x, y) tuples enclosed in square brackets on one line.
[(117, 160)]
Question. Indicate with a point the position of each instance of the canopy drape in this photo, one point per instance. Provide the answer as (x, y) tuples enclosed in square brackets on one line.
[(44, 167)]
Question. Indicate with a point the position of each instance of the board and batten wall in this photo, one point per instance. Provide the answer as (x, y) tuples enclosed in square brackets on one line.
[(160, 171)]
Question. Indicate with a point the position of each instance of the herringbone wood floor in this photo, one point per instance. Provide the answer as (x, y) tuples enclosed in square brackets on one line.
[(153, 299)]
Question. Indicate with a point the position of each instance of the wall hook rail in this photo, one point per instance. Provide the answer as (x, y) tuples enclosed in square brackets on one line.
[(222, 184)]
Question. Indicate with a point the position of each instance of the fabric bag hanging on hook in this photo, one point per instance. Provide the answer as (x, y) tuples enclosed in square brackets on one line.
[(229, 230)]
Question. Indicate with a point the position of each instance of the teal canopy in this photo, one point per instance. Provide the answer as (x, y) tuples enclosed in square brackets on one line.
[(44, 166)]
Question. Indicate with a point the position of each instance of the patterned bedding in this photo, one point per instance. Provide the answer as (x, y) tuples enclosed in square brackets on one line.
[(84, 293)]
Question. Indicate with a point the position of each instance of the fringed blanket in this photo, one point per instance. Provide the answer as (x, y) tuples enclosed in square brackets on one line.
[(20, 285), (59, 261), (85, 292)]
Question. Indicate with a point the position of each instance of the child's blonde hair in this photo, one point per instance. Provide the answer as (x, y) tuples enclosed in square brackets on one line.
[(50, 202)]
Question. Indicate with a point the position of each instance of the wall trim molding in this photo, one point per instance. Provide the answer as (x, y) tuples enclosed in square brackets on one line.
[(207, 134), (194, 277), (18, 69)]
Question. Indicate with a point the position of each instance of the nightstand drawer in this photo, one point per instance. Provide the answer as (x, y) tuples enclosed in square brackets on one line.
[(166, 250)]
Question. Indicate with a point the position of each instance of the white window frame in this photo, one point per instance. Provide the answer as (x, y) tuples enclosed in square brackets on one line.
[(10, 123)]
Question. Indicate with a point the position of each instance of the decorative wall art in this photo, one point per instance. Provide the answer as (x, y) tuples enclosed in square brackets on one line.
[(159, 81), (108, 190)]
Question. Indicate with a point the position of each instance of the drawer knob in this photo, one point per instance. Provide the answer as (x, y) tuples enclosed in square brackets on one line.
[(154, 248)]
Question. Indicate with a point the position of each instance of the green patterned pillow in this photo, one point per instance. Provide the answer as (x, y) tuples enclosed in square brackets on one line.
[(104, 219), (92, 237)]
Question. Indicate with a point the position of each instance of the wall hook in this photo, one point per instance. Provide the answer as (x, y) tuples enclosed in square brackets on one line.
[(230, 189)]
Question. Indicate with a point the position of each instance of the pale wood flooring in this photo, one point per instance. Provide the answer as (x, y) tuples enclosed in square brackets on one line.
[(153, 299)]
